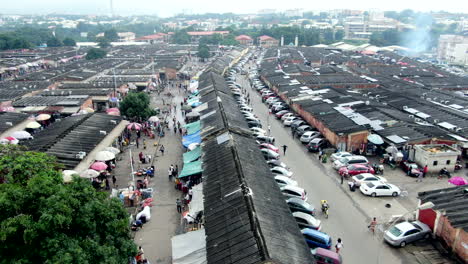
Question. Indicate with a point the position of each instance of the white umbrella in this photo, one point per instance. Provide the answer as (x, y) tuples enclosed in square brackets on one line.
[(33, 125), (376, 139), (21, 135), (112, 149), (43, 117), (193, 146), (104, 155), (89, 173), (68, 175), (154, 119)]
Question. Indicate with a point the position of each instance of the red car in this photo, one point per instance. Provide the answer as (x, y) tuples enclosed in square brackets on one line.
[(410, 168), (281, 113), (355, 169), (269, 146)]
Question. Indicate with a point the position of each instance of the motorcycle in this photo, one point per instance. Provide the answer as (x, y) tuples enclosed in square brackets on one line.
[(378, 169), (325, 210), (458, 166)]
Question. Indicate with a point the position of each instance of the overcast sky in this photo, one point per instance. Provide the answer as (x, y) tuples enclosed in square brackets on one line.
[(171, 7)]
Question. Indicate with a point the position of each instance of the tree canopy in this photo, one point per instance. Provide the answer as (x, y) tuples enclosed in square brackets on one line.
[(136, 105), (54, 42), (69, 42), (181, 37), (111, 35), (44, 220), (103, 42), (95, 53), (203, 51)]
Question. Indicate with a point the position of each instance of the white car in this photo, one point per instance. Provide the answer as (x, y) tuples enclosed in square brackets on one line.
[(309, 135), (257, 129), (294, 192), (307, 221), (275, 163), (339, 155), (379, 189), (367, 177), (283, 181), (281, 171), (269, 154), (286, 116)]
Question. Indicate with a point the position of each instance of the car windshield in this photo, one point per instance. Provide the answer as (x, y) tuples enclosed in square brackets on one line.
[(344, 160), (417, 226), (306, 206), (413, 166), (370, 185), (359, 177), (395, 231)]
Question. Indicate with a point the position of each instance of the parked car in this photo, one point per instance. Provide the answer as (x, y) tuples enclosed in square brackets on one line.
[(248, 109), (367, 177), (379, 189), (307, 221), (410, 168), (257, 129), (294, 192), (282, 171), (276, 163), (339, 155), (269, 146), (403, 233), (308, 136), (297, 123), (265, 139), (251, 124), (355, 169), (316, 144), (281, 113), (278, 108), (252, 118), (299, 205), (350, 160), (325, 256), (316, 238), (289, 120), (283, 181), (283, 117), (302, 129), (269, 154)]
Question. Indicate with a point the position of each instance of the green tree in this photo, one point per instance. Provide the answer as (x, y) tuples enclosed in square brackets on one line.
[(103, 42), (181, 37), (203, 51), (54, 42), (229, 40), (136, 105), (44, 220), (339, 35), (95, 53), (111, 35), (69, 42), (328, 36)]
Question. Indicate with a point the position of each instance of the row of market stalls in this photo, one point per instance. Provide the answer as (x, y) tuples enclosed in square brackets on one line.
[(238, 195)]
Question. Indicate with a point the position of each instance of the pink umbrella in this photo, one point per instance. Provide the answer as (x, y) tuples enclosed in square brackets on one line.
[(135, 126), (112, 110), (458, 181), (9, 140), (7, 109), (114, 113), (99, 166)]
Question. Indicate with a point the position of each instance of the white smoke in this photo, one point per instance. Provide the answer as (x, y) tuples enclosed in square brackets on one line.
[(419, 39)]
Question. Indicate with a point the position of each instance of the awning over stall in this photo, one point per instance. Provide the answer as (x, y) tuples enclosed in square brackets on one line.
[(189, 139), (191, 169), (192, 155), (189, 248), (193, 127)]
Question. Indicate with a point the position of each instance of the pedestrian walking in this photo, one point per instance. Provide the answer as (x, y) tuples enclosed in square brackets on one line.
[(169, 173), (293, 133), (425, 170), (284, 149), (176, 169), (161, 149), (420, 177), (179, 205), (175, 129), (339, 245), (372, 225), (342, 178), (114, 180), (320, 154), (190, 193), (180, 130), (137, 143)]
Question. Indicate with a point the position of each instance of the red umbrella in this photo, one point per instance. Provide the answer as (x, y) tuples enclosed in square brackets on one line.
[(99, 166), (458, 181), (134, 126)]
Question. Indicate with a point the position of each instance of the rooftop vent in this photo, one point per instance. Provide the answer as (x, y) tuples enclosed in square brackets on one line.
[(9, 123), (102, 132)]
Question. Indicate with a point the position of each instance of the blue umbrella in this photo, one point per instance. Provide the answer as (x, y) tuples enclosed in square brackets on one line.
[(195, 104)]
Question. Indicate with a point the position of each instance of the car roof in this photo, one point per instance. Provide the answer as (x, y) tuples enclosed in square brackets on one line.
[(292, 188), (316, 140), (296, 200), (313, 232), (366, 174), (304, 215), (281, 177), (405, 226)]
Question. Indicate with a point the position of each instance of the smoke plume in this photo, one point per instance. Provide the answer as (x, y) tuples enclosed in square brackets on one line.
[(418, 40)]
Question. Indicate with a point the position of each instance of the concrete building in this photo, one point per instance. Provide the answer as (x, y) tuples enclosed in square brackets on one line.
[(357, 27), (453, 49), (197, 35), (436, 157), (267, 41), (293, 13), (244, 40), (123, 36)]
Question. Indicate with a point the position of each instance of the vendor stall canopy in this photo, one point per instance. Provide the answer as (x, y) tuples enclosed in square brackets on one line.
[(193, 127), (191, 168), (192, 155)]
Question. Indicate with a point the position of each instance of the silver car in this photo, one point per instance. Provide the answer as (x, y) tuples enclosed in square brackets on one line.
[(403, 233)]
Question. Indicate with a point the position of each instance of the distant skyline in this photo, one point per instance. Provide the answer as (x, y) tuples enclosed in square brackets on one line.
[(170, 8)]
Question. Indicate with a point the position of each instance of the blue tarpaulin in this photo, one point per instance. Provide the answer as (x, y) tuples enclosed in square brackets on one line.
[(193, 138)]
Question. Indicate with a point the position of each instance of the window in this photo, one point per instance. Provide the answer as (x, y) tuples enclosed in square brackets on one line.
[(435, 163), (448, 162)]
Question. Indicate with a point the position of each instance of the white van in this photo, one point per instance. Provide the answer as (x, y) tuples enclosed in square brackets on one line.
[(337, 164)]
